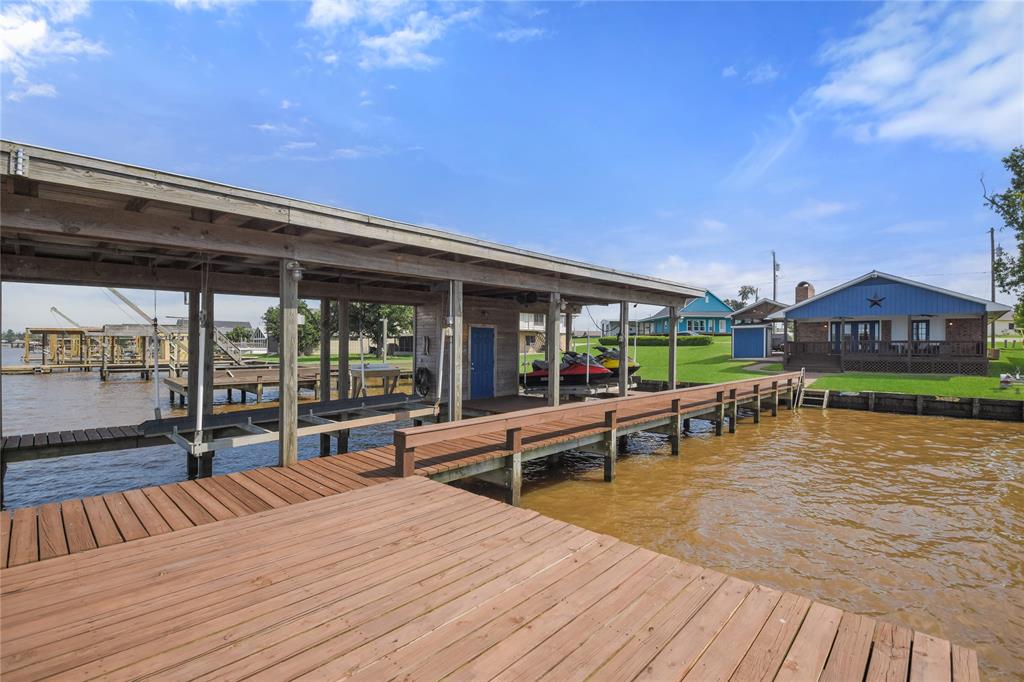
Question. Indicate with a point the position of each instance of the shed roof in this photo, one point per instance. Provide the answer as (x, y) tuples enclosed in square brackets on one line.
[(129, 222), (705, 305)]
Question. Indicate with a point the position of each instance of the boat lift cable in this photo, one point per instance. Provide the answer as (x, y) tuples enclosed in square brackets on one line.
[(156, 360)]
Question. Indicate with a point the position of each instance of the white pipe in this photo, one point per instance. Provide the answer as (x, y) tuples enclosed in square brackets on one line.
[(156, 364), (362, 362), (588, 357), (197, 437)]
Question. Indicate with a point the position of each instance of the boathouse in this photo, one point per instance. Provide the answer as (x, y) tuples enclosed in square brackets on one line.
[(706, 314), (883, 323)]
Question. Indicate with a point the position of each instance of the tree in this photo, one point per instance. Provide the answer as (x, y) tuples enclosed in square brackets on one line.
[(734, 303), (10, 336), (239, 333), (1009, 206), (746, 293), (365, 317), (368, 318), (309, 326)]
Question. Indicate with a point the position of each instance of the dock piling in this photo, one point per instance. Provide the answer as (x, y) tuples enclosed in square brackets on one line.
[(733, 410), (757, 403), (514, 465), (611, 443), (674, 425), (720, 416)]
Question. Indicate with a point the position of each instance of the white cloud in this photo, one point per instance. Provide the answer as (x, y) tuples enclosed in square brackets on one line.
[(520, 34), (31, 37), (762, 73), (406, 47), (813, 209), (330, 58), (275, 128), (295, 146), (359, 152), (949, 72), (712, 225), (332, 14), (288, 104), (207, 5), (729, 72)]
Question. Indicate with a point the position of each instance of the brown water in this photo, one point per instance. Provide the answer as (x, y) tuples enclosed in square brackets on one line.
[(917, 520)]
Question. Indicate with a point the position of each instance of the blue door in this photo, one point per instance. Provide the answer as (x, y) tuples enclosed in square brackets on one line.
[(481, 362)]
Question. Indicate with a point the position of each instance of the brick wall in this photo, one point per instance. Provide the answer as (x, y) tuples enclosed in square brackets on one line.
[(811, 331), (965, 329)]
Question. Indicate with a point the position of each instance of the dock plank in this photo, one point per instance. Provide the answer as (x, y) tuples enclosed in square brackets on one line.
[(809, 652), (76, 526), (103, 527), (930, 659), (890, 656), (172, 515), (851, 649), (5, 537), (147, 514), (128, 524), (52, 541), (24, 537), (765, 655)]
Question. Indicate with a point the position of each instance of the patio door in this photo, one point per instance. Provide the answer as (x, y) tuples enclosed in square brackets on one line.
[(481, 362)]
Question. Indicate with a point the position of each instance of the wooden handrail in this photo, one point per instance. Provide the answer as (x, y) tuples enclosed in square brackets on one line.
[(407, 440)]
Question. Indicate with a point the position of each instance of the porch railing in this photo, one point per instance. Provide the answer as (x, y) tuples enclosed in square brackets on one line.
[(855, 347)]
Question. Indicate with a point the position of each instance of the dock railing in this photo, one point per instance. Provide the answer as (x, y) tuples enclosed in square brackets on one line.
[(607, 411)]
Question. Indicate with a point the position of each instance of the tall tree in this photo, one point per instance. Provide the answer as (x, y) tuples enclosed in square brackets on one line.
[(747, 292), (309, 327), (1009, 206), (367, 318)]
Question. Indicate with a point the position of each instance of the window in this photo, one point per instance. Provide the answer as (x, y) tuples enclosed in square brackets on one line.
[(530, 339), (538, 318), (696, 325), (919, 330)]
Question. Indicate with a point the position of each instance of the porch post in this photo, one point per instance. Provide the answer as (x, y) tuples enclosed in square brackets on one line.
[(205, 463), (191, 463), (623, 348), (910, 343), (673, 337), (553, 355), (568, 327), (288, 410)]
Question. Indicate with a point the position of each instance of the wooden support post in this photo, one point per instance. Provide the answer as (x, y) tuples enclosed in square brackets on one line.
[(191, 464), (205, 465), (344, 332), (871, 401), (405, 457), (790, 394), (623, 348), (458, 353), (720, 417), (611, 443), (673, 350), (288, 389), (757, 403), (553, 355), (324, 384), (686, 425), (975, 408), (205, 461), (775, 398), (514, 465), (568, 328), (919, 405), (673, 436), (733, 410)]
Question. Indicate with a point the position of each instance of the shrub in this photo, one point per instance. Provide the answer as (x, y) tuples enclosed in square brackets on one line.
[(657, 340)]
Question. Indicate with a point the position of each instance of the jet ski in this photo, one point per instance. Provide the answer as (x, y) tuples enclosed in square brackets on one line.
[(610, 359), (573, 371)]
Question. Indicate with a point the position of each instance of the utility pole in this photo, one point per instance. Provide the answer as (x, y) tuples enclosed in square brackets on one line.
[(775, 278), (992, 275)]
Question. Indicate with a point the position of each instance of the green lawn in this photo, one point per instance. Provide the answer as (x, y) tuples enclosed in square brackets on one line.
[(402, 361), (701, 364), (934, 384)]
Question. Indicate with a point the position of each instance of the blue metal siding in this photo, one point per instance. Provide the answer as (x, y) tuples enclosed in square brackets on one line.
[(748, 343), (899, 299), (712, 305)]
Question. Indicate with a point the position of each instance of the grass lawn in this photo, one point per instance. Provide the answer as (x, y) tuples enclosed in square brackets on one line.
[(401, 361), (703, 364), (934, 384)]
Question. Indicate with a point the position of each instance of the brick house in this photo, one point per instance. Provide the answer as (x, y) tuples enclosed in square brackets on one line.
[(883, 323)]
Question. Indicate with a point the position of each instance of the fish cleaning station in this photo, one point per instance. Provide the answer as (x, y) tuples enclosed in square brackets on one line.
[(365, 564)]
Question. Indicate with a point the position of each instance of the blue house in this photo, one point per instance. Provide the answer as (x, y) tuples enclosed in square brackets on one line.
[(884, 323), (705, 315)]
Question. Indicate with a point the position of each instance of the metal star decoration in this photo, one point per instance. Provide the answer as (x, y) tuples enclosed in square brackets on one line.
[(875, 301)]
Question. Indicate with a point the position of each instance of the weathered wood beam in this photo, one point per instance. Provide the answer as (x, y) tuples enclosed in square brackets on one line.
[(41, 216), (458, 352), (288, 364), (136, 205), (553, 353), (46, 270)]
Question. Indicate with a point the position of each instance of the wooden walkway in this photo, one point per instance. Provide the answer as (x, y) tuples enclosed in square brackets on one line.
[(413, 579)]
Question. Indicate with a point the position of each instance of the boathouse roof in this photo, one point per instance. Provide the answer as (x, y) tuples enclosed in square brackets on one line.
[(69, 217)]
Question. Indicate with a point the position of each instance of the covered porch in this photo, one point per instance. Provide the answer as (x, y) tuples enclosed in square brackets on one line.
[(926, 344)]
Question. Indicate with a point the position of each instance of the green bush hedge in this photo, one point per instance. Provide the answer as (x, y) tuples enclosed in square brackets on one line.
[(657, 340)]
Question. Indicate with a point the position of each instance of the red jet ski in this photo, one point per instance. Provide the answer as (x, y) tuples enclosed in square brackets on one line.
[(572, 372)]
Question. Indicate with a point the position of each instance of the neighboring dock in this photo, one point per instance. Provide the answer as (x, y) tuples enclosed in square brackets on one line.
[(414, 579)]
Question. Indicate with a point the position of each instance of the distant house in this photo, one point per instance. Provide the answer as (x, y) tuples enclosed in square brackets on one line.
[(533, 332), (884, 323), (705, 315), (1005, 326), (754, 336)]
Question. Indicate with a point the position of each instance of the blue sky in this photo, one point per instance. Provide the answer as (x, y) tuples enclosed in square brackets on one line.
[(684, 140)]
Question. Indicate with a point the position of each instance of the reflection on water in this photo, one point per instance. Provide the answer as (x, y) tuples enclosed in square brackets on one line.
[(918, 520), (36, 403)]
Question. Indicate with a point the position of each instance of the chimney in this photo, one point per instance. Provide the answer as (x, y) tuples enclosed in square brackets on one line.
[(804, 291)]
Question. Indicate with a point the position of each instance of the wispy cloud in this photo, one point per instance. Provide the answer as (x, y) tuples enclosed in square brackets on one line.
[(813, 209), (729, 71), (950, 72), (359, 152), (521, 34), (208, 5), (762, 73), (268, 127), (768, 148), (296, 146), (33, 35), (288, 104), (407, 46)]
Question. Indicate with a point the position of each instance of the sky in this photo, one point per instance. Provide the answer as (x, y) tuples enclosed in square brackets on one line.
[(682, 140)]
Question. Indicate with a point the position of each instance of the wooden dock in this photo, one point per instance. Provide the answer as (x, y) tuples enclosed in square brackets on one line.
[(413, 579)]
